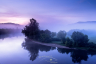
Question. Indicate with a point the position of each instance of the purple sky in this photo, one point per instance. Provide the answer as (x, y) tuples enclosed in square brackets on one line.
[(55, 13)]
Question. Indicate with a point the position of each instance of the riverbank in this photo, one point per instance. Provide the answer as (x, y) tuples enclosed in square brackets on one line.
[(51, 44), (62, 46)]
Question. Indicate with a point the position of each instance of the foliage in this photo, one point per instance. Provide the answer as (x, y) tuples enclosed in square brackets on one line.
[(79, 39), (63, 40), (91, 45), (61, 34), (53, 34), (55, 39), (32, 30), (68, 42), (45, 36)]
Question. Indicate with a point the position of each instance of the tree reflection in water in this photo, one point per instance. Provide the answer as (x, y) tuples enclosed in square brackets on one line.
[(34, 48), (77, 55)]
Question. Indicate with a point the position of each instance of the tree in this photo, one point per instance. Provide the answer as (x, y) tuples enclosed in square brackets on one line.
[(53, 34), (62, 35), (45, 35), (69, 42), (32, 30), (48, 32), (79, 38)]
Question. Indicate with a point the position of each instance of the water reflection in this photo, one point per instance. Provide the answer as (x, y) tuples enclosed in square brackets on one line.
[(76, 55), (34, 48), (79, 55)]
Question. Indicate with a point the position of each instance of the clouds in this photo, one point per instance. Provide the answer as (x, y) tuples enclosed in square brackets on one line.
[(9, 15), (48, 12)]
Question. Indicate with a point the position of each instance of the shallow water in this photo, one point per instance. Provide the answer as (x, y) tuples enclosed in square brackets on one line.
[(18, 50)]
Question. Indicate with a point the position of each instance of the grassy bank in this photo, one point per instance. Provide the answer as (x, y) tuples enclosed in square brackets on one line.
[(81, 48)]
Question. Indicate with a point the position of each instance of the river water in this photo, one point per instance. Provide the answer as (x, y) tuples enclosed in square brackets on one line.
[(20, 50)]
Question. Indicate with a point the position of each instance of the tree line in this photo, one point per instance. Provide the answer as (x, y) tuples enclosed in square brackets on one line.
[(9, 31), (78, 39)]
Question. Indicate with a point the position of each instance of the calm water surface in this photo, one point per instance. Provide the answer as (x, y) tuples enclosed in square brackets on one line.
[(20, 50)]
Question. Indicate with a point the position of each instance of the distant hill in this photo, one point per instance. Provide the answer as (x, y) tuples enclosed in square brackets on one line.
[(11, 26), (87, 22), (10, 23)]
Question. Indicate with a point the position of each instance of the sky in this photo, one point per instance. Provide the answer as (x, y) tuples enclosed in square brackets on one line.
[(49, 13)]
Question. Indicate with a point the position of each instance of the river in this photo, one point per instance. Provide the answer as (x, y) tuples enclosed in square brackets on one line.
[(18, 50)]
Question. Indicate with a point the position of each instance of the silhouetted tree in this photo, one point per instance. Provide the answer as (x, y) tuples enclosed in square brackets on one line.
[(32, 30)]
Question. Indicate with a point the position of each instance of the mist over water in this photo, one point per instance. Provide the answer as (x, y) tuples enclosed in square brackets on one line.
[(15, 48), (18, 49), (47, 31), (11, 26)]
